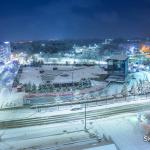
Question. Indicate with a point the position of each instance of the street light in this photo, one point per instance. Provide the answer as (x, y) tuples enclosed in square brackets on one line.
[(85, 117)]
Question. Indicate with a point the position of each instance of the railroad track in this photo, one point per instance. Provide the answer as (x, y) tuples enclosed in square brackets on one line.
[(74, 116)]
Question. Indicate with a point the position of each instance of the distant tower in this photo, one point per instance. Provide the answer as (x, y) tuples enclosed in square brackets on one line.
[(5, 52)]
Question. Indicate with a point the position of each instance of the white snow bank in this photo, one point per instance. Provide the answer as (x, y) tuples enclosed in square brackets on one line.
[(105, 147)]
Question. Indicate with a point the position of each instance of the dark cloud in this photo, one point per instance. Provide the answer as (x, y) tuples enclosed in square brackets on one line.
[(48, 19)]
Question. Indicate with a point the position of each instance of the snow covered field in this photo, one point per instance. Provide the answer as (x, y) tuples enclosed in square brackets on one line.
[(124, 130), (86, 72), (32, 75)]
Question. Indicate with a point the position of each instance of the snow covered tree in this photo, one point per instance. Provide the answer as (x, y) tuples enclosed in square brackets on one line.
[(28, 87), (146, 87), (25, 87), (34, 88), (140, 86), (134, 90), (40, 88), (124, 91)]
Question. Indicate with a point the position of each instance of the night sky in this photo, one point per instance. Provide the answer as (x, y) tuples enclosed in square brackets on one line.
[(73, 19)]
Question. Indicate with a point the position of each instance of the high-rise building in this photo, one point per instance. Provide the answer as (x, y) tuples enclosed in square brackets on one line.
[(5, 52)]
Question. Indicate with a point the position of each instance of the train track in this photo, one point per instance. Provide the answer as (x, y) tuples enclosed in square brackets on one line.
[(74, 116)]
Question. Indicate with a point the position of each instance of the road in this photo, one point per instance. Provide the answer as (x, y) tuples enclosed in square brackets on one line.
[(76, 115)]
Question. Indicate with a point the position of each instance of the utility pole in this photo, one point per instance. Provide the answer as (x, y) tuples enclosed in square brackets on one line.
[(72, 82), (85, 117)]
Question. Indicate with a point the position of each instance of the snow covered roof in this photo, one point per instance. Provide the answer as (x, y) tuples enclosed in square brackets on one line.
[(118, 57)]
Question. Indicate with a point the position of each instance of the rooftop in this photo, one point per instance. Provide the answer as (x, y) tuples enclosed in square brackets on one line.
[(118, 57)]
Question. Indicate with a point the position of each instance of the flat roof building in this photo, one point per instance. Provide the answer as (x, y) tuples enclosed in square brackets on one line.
[(117, 67)]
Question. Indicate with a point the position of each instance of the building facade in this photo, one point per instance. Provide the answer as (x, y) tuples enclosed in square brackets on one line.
[(117, 67), (5, 52)]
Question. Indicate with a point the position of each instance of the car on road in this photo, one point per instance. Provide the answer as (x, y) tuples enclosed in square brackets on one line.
[(77, 107)]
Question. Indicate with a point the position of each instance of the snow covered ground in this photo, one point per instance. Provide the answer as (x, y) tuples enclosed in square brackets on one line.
[(43, 136), (86, 72), (124, 130), (105, 147), (31, 75), (30, 113), (112, 89), (63, 60), (132, 79), (10, 98)]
